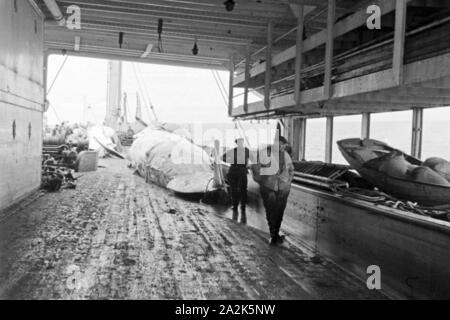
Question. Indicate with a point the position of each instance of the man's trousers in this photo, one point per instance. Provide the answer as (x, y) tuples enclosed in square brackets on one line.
[(275, 203)]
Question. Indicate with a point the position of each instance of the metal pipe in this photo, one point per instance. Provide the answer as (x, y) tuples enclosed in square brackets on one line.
[(54, 9)]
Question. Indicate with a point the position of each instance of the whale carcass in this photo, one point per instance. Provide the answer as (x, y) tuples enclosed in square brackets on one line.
[(172, 161)]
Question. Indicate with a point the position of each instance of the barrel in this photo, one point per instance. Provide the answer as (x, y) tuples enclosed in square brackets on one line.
[(55, 140), (87, 161)]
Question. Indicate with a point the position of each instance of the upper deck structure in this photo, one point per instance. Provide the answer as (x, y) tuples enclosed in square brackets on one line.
[(302, 58), (306, 57)]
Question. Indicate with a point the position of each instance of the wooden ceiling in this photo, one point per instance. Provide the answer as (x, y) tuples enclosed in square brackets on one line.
[(219, 33)]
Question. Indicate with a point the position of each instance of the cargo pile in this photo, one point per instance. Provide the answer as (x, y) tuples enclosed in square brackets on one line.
[(56, 176)]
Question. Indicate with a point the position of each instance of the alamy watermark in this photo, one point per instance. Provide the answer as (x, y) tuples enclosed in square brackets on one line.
[(73, 19), (374, 280), (374, 20), (197, 146)]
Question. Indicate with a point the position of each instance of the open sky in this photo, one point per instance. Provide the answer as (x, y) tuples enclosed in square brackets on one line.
[(181, 95), (178, 94)]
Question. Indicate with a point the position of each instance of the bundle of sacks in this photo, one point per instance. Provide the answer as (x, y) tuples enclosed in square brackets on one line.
[(434, 171), (79, 136)]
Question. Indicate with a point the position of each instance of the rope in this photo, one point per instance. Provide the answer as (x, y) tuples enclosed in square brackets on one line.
[(147, 95), (57, 75), (53, 83), (56, 113), (221, 83), (441, 213), (144, 98), (144, 93), (224, 97)]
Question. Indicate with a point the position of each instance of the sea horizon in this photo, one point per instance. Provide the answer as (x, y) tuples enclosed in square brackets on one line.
[(397, 133)]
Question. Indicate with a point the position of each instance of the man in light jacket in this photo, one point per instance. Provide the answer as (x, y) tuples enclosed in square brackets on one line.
[(274, 173)]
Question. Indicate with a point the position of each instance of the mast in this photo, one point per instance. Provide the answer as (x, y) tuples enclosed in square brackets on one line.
[(138, 107), (124, 124), (114, 94)]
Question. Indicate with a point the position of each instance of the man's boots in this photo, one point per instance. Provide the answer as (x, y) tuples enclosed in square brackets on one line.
[(276, 240), (235, 214), (243, 216)]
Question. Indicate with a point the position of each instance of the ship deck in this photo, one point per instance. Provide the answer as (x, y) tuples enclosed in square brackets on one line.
[(116, 237)]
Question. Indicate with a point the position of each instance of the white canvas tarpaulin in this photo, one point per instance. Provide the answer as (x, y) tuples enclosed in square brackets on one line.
[(104, 135), (172, 161)]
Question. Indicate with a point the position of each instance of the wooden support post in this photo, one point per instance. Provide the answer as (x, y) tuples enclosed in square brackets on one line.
[(247, 76), (302, 145), (45, 103), (299, 56), (365, 125), (290, 133), (399, 40), (289, 123), (329, 49), (417, 133), (268, 79), (298, 139), (329, 140), (231, 87), (45, 75)]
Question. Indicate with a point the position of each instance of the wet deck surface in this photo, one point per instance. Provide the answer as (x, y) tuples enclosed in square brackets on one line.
[(116, 237)]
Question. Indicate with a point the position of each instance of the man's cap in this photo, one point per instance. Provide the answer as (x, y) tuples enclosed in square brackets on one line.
[(239, 139)]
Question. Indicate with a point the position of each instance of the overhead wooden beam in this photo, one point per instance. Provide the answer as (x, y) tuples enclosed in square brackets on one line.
[(429, 3), (363, 105), (342, 27), (299, 56), (268, 77), (335, 109), (171, 12), (329, 140), (305, 2), (108, 55), (399, 40), (329, 49)]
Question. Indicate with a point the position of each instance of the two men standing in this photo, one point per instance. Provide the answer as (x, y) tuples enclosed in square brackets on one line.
[(273, 170)]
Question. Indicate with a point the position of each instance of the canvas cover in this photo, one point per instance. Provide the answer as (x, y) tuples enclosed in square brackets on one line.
[(172, 161)]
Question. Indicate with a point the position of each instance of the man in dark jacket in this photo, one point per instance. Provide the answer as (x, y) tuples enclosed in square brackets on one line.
[(274, 173), (238, 158)]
